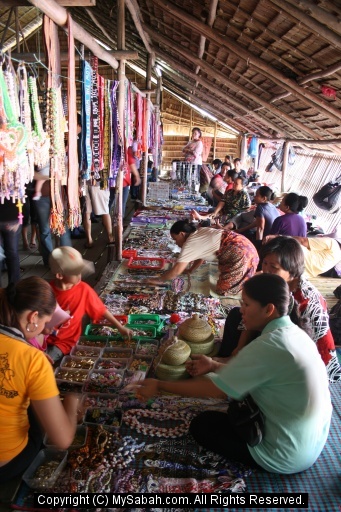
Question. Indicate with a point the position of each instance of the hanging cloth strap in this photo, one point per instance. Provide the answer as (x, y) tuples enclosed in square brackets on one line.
[(95, 120), (86, 163), (116, 148), (74, 216)]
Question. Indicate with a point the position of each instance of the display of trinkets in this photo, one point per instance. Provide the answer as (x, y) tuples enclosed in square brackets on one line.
[(91, 341), (71, 375), (117, 353), (119, 342), (102, 330), (147, 348), (81, 351), (103, 416), (104, 381), (99, 400), (78, 362), (45, 468), (108, 364), (139, 363)]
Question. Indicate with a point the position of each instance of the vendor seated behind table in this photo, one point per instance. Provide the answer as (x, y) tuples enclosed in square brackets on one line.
[(281, 370), (261, 218), (233, 202), (236, 256)]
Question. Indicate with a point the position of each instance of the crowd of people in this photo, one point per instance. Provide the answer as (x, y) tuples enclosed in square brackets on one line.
[(277, 347)]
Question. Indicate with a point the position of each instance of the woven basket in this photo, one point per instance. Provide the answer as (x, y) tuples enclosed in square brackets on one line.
[(205, 347), (194, 329), (177, 353), (167, 372)]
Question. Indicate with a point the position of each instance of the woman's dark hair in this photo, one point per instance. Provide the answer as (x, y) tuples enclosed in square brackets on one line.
[(265, 191), (183, 226), (269, 289), (32, 293), (295, 202), (289, 253), (217, 161), (239, 178), (232, 174), (196, 128)]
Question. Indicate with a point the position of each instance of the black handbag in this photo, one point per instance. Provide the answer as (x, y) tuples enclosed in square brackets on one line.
[(328, 197), (247, 420)]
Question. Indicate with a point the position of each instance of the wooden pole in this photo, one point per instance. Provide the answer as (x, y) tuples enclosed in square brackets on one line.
[(286, 147), (120, 108), (58, 14), (215, 140), (146, 128)]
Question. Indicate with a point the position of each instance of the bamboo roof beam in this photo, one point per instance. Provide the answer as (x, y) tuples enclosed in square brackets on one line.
[(314, 11), (320, 74), (269, 71), (58, 14), (135, 13), (319, 29), (265, 30), (218, 92), (291, 121), (210, 20)]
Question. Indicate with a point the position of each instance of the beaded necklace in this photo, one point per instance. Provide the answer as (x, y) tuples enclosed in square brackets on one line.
[(132, 419)]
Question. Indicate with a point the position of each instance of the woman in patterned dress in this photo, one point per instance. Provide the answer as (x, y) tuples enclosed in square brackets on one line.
[(236, 256)]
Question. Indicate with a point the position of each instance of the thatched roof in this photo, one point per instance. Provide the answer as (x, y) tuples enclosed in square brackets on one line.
[(265, 67)]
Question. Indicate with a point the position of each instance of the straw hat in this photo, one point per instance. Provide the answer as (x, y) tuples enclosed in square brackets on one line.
[(195, 329), (177, 353)]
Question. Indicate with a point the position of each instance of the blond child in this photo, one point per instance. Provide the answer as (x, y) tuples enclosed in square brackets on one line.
[(76, 298)]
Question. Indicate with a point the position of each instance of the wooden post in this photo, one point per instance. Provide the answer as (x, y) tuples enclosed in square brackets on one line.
[(146, 127), (215, 140), (286, 147), (243, 148), (120, 108), (157, 163)]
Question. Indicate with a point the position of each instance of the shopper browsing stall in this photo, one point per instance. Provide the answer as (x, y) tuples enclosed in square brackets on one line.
[(236, 256), (27, 383), (283, 373), (75, 297)]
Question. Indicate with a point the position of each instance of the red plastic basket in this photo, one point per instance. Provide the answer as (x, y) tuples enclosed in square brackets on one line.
[(149, 263), (129, 253)]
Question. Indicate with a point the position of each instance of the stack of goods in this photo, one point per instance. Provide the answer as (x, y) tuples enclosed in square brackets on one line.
[(197, 333), (170, 363)]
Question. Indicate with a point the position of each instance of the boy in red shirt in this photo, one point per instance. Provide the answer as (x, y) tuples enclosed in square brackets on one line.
[(76, 298)]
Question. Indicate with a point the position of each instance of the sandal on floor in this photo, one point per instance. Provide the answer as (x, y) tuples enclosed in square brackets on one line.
[(89, 246), (32, 245)]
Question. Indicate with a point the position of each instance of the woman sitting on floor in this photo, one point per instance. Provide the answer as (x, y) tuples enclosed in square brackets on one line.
[(282, 256), (281, 370), (28, 390), (234, 201), (291, 223), (236, 256)]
